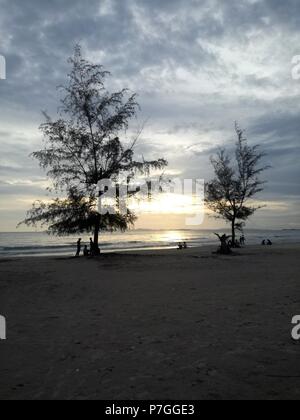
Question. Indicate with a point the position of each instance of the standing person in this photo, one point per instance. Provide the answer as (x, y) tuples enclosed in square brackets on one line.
[(78, 247), (92, 247)]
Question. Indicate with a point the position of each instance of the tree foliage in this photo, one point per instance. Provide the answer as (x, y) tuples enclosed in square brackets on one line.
[(83, 147), (230, 194)]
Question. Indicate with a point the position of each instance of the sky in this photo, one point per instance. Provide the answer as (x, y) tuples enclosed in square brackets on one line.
[(197, 67)]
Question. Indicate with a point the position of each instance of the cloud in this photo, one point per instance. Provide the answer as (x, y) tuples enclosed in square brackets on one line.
[(197, 66)]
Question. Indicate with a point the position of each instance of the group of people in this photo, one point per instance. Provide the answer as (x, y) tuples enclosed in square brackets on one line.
[(267, 242), (87, 252), (227, 243), (238, 242), (242, 240)]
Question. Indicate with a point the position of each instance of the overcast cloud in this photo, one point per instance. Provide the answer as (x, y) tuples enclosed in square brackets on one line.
[(197, 66)]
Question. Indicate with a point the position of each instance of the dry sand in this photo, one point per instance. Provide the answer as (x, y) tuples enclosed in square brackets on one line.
[(152, 325)]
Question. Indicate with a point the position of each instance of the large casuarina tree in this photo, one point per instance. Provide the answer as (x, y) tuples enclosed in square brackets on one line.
[(82, 147), (237, 180)]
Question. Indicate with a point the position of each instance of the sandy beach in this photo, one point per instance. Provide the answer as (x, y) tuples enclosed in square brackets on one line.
[(151, 325)]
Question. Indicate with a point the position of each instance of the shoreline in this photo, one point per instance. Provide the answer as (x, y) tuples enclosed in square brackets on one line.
[(32, 245), (148, 251)]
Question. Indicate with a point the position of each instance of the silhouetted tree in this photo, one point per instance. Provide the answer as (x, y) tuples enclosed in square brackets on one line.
[(229, 194), (225, 248), (82, 148)]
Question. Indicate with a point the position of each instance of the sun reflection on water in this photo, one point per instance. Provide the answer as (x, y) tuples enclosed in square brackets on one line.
[(170, 237)]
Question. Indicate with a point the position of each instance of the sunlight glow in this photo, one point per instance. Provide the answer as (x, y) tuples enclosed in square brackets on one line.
[(167, 204)]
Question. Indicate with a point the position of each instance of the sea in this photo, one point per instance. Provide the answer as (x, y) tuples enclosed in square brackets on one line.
[(41, 244)]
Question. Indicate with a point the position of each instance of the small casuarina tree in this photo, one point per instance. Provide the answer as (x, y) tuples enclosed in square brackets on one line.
[(230, 193), (83, 147)]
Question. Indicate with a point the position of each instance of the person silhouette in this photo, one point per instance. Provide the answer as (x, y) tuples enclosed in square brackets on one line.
[(78, 247), (86, 251), (92, 247), (185, 245), (270, 242), (263, 242)]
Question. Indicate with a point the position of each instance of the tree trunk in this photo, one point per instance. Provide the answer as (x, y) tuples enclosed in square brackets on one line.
[(233, 233), (96, 239)]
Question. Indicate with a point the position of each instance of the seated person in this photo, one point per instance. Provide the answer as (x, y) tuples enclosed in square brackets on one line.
[(86, 251)]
